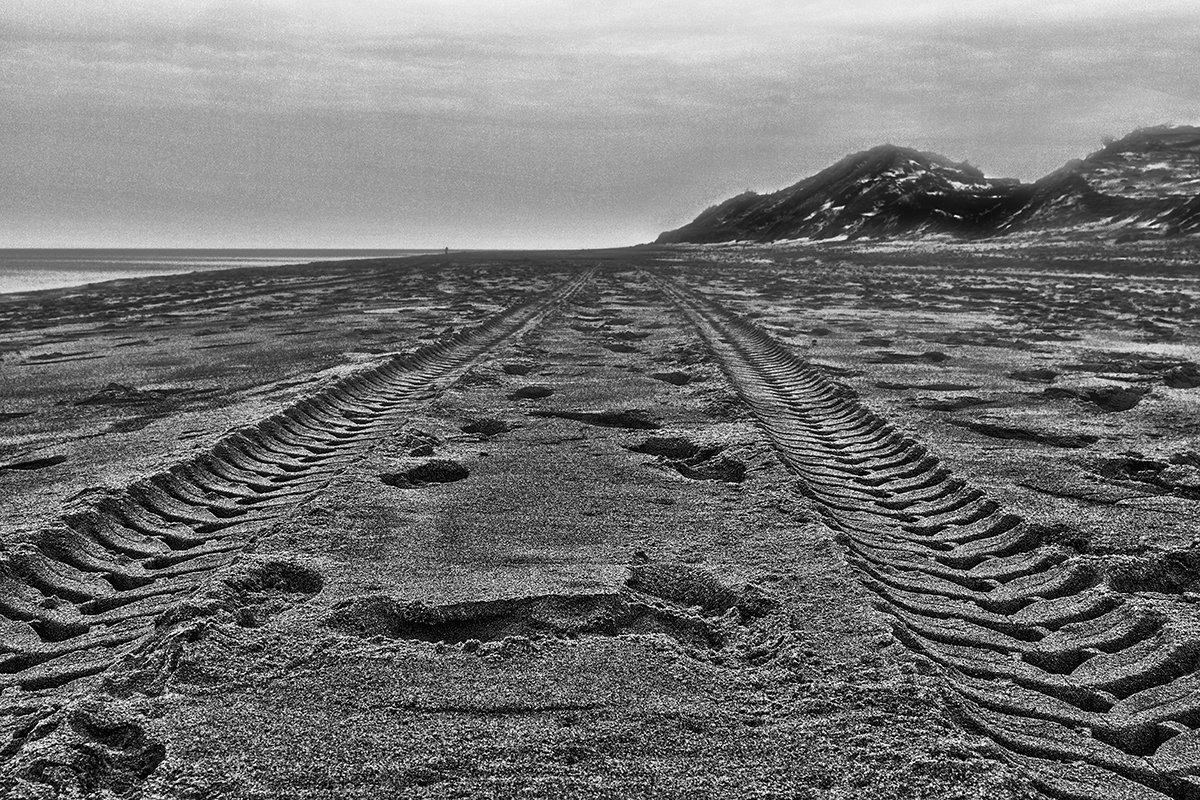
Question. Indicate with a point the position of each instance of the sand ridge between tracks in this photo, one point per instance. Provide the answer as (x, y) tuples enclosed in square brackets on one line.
[(1092, 694)]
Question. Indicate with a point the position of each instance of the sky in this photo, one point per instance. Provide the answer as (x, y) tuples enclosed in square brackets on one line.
[(531, 123)]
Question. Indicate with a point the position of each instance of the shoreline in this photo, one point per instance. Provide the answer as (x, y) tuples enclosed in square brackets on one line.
[(46, 269)]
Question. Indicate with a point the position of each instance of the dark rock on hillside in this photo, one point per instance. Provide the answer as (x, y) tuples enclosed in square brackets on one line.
[(1147, 183), (1161, 163)]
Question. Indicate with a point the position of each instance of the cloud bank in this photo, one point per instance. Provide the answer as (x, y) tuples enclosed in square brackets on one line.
[(532, 123)]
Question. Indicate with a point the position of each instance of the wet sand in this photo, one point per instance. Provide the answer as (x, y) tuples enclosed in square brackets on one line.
[(590, 524)]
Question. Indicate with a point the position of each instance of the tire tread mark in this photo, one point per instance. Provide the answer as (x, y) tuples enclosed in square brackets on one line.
[(1072, 680), (76, 593)]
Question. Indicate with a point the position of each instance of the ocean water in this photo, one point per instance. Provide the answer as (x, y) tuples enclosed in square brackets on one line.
[(30, 270)]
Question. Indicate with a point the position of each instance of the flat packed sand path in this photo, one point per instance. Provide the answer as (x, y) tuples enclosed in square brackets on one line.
[(649, 523)]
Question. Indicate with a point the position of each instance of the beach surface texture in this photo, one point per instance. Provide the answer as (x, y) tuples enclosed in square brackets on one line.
[(835, 521)]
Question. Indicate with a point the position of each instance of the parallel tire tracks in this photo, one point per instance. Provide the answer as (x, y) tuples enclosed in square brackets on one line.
[(1093, 695), (76, 595)]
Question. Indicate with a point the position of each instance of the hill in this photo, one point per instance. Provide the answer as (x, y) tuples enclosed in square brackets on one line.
[(1145, 184)]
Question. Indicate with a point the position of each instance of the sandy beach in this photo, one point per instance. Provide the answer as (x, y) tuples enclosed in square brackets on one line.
[(916, 521)]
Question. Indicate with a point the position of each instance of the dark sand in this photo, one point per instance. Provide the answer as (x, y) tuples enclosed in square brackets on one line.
[(563, 556)]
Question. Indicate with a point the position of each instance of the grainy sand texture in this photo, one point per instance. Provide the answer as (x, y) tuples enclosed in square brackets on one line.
[(685, 522)]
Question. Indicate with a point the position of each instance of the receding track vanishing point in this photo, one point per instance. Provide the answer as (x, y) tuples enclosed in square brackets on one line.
[(76, 596), (1095, 696), (1092, 693)]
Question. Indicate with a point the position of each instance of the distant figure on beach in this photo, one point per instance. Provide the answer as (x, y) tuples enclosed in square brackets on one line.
[(447, 251)]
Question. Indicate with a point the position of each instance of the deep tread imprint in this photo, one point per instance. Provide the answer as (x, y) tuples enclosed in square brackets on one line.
[(1080, 687)]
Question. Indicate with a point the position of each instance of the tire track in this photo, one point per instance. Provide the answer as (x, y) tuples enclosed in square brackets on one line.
[(76, 595), (1094, 695)]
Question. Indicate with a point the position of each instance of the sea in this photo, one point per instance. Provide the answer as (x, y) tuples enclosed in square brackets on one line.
[(26, 270)]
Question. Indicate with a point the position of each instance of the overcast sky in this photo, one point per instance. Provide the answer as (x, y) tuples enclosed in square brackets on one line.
[(472, 123)]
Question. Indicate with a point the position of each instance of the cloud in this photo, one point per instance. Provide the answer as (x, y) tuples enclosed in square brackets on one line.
[(607, 120)]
